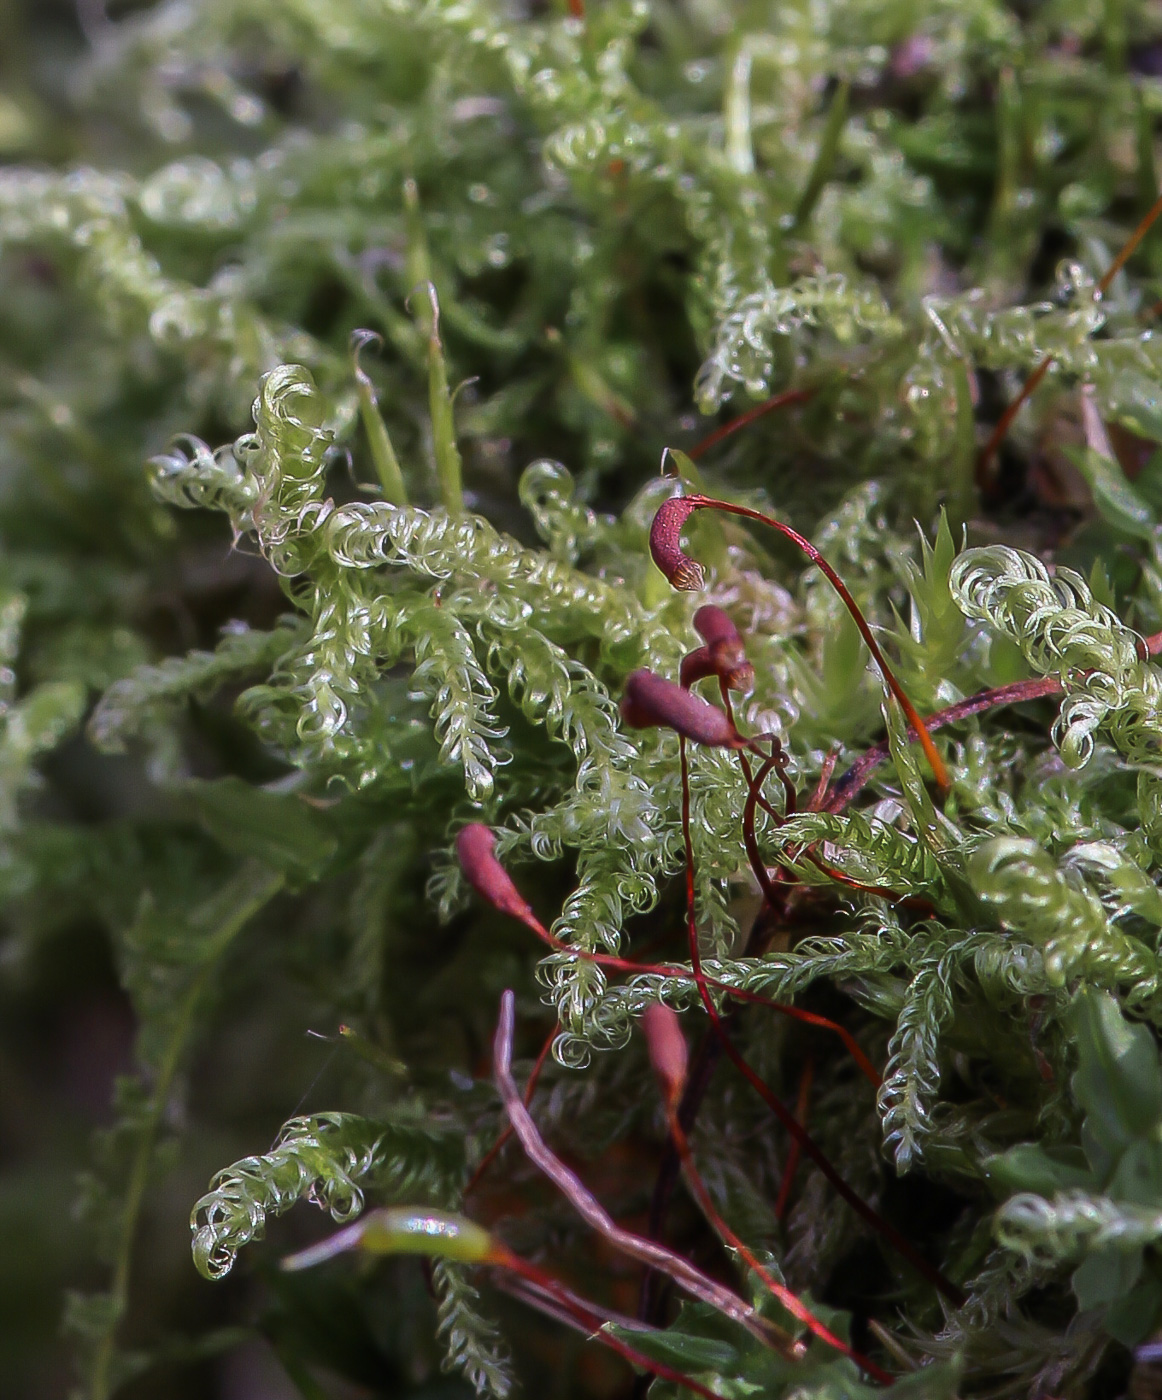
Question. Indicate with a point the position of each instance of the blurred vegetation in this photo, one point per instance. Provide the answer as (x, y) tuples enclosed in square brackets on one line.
[(234, 752)]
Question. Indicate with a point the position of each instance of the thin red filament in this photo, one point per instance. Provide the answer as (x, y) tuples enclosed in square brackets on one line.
[(519, 908), (777, 1107), (684, 572), (793, 1153), (744, 420)]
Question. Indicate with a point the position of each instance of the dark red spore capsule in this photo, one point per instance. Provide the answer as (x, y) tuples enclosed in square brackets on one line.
[(696, 666), (475, 850), (725, 654), (666, 544), (651, 702), (715, 626)]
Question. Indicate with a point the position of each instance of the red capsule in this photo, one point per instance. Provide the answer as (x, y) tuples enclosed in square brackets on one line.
[(696, 666), (650, 702), (666, 544), (667, 1045), (723, 655), (475, 849), (716, 627)]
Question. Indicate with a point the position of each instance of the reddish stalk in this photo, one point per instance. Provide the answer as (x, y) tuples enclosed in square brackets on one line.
[(789, 1300), (998, 434), (1005, 422), (684, 572), (853, 781), (1130, 246), (819, 795), (758, 867), (866, 1068), (790, 795), (548, 1295), (792, 1166), (492, 881), (883, 1227), (530, 1088), (744, 420), (725, 658), (750, 841), (548, 1289), (439, 1234), (690, 1279)]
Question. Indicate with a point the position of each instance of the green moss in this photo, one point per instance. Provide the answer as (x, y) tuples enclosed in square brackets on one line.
[(275, 623)]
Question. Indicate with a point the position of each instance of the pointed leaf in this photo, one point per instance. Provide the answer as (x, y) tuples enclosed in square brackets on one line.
[(1030, 1167), (1118, 1082), (1116, 500), (681, 1350), (1133, 1318), (1106, 1275)]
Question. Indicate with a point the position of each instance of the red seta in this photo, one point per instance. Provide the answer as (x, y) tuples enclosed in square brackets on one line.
[(686, 573)]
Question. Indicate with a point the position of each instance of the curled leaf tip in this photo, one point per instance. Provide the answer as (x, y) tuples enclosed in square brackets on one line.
[(360, 338), (666, 544), (652, 702)]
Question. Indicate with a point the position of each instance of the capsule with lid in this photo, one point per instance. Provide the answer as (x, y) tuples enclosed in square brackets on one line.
[(724, 654)]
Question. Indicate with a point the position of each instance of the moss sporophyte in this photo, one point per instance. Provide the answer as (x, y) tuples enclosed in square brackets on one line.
[(653, 518)]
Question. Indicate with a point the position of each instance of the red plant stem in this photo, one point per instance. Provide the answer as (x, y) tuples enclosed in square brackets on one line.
[(866, 1068), (749, 839), (758, 865), (856, 777), (792, 1165), (883, 1227), (530, 1087), (820, 793), (521, 1281), (698, 502), (1005, 422), (792, 797), (656, 1256), (789, 1300), (1129, 247), (698, 1079), (750, 842), (586, 1317), (744, 420), (615, 964)]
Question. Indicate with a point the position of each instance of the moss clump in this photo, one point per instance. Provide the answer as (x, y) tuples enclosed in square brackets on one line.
[(373, 587)]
